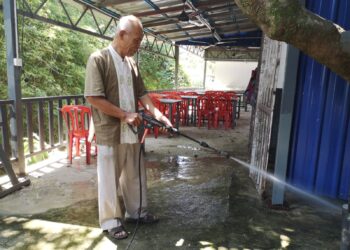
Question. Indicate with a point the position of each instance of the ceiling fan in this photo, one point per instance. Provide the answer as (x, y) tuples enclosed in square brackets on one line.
[(188, 15)]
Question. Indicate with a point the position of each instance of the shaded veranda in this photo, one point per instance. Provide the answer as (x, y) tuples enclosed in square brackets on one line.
[(204, 201)]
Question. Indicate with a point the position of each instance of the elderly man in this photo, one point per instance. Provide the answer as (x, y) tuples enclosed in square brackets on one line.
[(113, 86)]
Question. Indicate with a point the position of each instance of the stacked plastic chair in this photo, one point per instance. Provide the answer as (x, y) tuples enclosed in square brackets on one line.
[(222, 111), (204, 110)]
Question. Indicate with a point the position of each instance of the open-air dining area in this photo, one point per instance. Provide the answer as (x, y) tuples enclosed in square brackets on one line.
[(177, 124)]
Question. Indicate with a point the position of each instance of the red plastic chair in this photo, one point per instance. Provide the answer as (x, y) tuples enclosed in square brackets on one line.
[(222, 111), (204, 110), (77, 118)]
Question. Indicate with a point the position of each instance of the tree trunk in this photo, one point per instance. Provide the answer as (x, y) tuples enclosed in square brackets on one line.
[(289, 21)]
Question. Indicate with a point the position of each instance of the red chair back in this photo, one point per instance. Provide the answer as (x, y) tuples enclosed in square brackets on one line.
[(221, 103), (222, 108), (77, 119)]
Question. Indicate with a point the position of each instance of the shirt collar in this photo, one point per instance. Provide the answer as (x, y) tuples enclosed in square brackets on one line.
[(116, 54)]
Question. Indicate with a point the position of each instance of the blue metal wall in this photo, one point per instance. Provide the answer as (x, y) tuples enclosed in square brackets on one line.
[(320, 147)]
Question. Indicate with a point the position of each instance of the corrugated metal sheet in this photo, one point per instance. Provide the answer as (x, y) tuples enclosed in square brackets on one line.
[(320, 150)]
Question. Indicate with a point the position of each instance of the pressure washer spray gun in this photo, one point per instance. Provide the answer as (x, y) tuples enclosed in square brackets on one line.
[(151, 122)]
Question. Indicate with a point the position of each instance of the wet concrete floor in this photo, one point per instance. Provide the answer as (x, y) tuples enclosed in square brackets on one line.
[(204, 201)]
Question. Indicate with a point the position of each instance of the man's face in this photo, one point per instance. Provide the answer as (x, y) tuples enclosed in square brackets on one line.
[(132, 41)]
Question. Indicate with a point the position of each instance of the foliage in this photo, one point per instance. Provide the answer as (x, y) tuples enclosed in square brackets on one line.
[(158, 72), (54, 59), (36, 143)]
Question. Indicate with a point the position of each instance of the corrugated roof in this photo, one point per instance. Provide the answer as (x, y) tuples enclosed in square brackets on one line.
[(196, 22)]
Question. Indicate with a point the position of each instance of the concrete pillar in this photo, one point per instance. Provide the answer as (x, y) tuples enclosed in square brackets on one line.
[(289, 68), (204, 73)]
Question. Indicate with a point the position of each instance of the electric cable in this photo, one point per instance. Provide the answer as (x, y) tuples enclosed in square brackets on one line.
[(140, 207)]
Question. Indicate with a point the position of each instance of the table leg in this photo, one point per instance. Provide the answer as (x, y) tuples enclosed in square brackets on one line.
[(234, 106), (194, 111), (177, 115), (239, 108), (188, 112), (170, 112)]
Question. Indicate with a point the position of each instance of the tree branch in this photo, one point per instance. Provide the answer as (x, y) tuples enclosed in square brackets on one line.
[(289, 21)]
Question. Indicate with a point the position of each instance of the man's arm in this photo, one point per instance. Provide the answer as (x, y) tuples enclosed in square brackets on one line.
[(148, 104), (101, 103)]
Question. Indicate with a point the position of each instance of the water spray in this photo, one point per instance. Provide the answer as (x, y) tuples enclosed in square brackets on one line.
[(150, 122)]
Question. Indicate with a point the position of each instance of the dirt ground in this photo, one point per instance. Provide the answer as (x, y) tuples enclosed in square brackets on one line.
[(204, 201)]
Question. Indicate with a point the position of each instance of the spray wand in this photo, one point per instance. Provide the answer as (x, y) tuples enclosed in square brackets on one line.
[(151, 122)]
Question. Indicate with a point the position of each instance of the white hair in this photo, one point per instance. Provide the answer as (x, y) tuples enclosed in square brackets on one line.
[(126, 23)]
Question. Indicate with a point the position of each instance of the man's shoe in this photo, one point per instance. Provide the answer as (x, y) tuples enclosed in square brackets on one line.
[(118, 233)]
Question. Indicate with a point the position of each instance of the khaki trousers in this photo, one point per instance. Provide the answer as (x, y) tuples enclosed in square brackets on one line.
[(118, 168)]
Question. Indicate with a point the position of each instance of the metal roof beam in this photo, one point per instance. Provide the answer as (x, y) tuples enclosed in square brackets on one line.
[(196, 50), (204, 21), (113, 2), (231, 23), (205, 34), (155, 24), (205, 10), (154, 6), (179, 30), (242, 28), (160, 11), (224, 6), (89, 8), (178, 8), (161, 21), (222, 26), (208, 34), (225, 15)]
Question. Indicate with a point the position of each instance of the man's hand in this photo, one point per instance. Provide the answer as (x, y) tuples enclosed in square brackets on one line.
[(165, 120), (132, 118)]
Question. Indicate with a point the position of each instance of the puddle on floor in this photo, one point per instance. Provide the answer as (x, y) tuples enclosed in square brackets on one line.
[(176, 168), (188, 147)]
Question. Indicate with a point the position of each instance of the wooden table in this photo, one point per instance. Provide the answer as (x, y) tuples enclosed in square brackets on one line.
[(170, 103)]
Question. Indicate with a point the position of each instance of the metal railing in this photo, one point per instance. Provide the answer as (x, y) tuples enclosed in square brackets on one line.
[(42, 122)]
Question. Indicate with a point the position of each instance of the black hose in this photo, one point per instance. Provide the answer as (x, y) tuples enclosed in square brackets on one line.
[(140, 207)]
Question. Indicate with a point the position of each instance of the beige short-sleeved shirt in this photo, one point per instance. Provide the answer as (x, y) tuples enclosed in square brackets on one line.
[(101, 80)]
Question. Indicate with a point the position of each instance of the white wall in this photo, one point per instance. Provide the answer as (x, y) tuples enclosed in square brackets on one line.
[(228, 75)]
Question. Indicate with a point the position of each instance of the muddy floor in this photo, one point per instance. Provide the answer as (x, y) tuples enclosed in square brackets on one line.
[(204, 201)]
